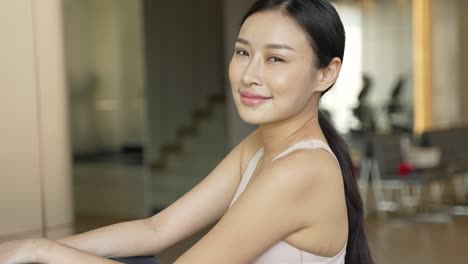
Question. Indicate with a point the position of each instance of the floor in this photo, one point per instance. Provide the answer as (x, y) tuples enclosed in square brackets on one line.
[(392, 241), (397, 241)]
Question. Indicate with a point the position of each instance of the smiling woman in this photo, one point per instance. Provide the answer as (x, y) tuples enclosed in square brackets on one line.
[(287, 193), (276, 63)]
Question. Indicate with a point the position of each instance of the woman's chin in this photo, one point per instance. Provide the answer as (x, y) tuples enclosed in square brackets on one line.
[(252, 119), (250, 122), (253, 116)]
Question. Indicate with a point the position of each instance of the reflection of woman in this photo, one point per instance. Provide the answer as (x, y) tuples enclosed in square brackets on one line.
[(280, 195)]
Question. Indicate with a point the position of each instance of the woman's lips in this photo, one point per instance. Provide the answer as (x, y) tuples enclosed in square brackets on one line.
[(252, 99)]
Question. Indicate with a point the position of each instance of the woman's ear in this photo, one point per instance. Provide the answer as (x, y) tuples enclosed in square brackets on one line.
[(328, 75)]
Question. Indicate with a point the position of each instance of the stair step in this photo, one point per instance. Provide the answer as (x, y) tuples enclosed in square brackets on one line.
[(203, 146), (210, 155), (162, 200), (200, 155), (173, 186), (209, 127), (168, 193), (192, 161), (181, 175)]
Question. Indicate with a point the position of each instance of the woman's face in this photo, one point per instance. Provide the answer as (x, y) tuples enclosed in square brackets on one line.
[(272, 73)]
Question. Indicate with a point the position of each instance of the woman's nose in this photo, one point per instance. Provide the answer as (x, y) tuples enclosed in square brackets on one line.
[(253, 73)]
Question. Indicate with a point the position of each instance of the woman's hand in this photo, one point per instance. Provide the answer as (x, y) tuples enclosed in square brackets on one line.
[(21, 251)]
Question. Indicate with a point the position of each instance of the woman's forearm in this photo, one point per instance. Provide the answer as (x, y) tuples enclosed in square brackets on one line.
[(52, 252), (134, 238)]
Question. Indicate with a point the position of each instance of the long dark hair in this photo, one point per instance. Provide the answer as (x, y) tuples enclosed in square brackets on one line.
[(326, 35)]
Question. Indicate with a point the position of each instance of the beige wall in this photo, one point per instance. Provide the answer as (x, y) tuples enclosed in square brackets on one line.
[(446, 54), (35, 194), (450, 72)]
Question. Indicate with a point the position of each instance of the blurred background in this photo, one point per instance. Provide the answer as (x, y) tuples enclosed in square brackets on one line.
[(110, 110)]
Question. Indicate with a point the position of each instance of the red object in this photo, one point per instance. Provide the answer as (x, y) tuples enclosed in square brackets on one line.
[(356, 168), (405, 168)]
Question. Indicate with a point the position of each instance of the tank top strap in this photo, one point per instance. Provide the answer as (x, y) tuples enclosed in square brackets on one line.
[(307, 144), (252, 165), (247, 174)]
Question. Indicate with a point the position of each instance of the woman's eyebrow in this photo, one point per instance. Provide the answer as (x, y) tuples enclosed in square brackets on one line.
[(279, 46), (268, 46), (243, 41)]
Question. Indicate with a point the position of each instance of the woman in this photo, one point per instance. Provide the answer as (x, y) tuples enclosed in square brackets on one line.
[(286, 193)]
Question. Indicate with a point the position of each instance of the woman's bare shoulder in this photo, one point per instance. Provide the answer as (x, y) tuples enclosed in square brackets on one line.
[(250, 146)]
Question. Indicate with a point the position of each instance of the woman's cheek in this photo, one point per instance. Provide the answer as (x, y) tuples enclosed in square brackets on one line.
[(279, 82), (236, 69), (231, 73)]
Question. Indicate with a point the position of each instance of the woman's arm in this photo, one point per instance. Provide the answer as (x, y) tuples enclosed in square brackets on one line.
[(45, 251), (133, 238), (200, 207), (52, 252)]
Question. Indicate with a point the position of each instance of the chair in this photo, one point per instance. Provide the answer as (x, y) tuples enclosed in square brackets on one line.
[(394, 192), (453, 143)]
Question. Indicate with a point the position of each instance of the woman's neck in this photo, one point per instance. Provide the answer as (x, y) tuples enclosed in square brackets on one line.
[(278, 136)]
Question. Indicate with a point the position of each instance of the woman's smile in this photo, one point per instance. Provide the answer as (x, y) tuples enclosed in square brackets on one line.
[(253, 99)]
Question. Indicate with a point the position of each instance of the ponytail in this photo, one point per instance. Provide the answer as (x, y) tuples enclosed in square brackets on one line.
[(357, 249)]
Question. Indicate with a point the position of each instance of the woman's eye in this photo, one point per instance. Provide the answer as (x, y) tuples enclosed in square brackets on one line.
[(242, 52), (275, 59)]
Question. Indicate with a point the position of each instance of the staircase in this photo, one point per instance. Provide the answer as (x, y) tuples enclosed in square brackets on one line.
[(197, 155)]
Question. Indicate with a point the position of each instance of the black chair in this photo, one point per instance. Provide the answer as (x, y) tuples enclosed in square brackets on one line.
[(392, 191), (138, 260), (453, 144)]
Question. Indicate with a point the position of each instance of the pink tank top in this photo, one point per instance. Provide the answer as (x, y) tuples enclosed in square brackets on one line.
[(282, 252)]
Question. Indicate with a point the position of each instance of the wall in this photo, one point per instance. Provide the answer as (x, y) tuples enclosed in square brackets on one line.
[(35, 189), (183, 51), (446, 56), (463, 58), (387, 54), (105, 72), (132, 69)]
